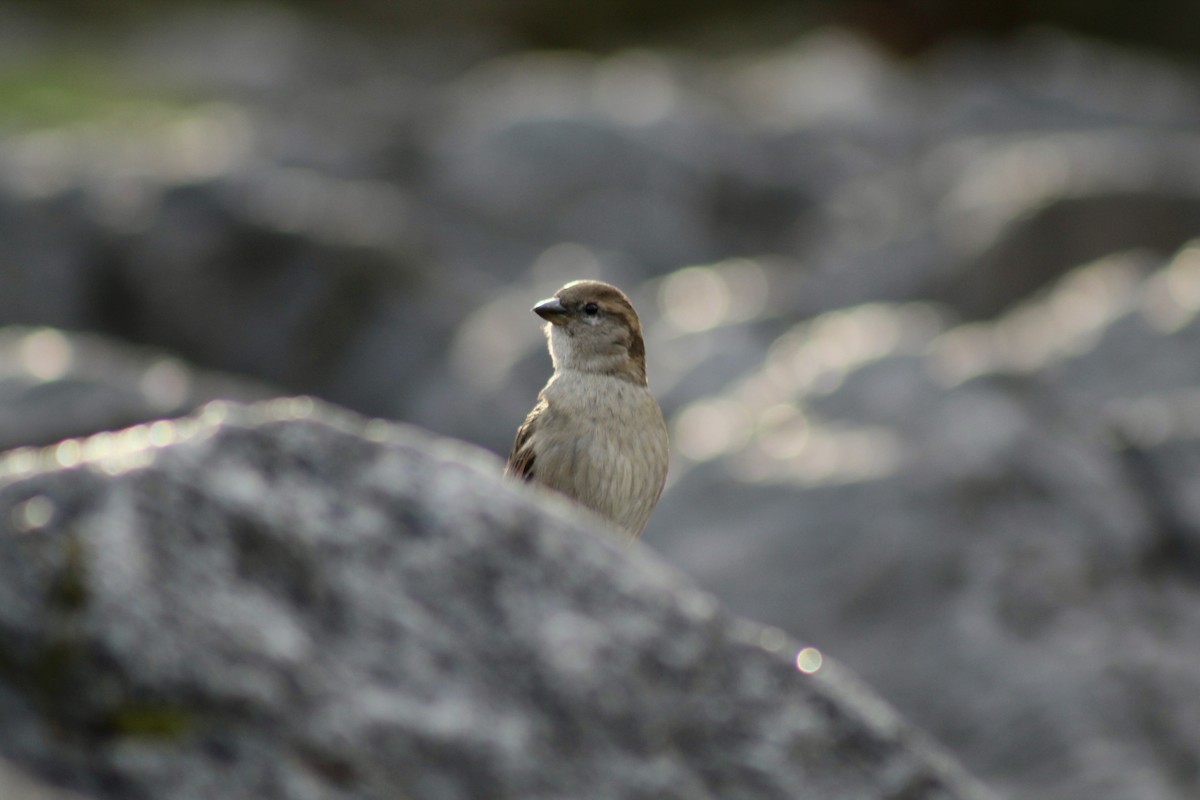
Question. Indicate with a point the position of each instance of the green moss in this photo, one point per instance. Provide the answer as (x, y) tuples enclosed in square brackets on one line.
[(52, 667), (55, 93), (69, 592), (55, 677), (54, 682), (151, 721)]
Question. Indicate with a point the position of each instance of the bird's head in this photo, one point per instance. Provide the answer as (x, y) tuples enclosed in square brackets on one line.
[(593, 328)]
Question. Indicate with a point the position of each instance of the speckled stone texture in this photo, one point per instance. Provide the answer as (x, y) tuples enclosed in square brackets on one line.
[(283, 601)]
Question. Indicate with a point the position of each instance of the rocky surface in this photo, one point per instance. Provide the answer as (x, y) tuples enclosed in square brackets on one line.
[(925, 332), (354, 219), (997, 524), (57, 385), (284, 602), (16, 784)]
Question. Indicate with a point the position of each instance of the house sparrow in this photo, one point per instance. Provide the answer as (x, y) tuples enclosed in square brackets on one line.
[(597, 433)]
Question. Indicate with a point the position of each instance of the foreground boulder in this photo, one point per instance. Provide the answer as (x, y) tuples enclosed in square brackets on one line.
[(278, 601), (16, 784)]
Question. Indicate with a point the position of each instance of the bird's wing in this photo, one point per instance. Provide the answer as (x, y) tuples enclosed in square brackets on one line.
[(521, 459)]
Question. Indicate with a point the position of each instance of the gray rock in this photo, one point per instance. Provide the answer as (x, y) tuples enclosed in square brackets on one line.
[(285, 602), (996, 525), (16, 784), (56, 384), (333, 211)]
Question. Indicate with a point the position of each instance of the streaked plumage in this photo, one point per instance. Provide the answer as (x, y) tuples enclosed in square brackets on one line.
[(596, 433)]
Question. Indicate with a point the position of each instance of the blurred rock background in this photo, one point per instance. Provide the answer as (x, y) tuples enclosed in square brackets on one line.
[(918, 280)]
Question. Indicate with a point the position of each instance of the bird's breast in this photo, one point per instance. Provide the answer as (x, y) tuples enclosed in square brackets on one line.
[(606, 446)]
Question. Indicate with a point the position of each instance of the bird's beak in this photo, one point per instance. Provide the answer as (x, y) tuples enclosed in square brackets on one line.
[(552, 310)]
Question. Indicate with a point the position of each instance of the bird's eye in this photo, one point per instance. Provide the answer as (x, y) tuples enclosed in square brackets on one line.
[(591, 309)]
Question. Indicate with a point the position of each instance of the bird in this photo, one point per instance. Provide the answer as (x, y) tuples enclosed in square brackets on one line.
[(596, 433)]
